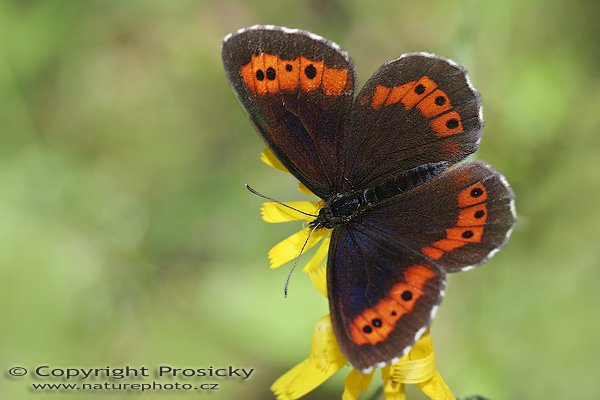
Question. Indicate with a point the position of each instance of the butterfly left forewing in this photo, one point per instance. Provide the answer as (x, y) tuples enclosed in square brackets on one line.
[(381, 297), (297, 89)]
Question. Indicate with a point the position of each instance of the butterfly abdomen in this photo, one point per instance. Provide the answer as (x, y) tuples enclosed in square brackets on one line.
[(342, 208), (404, 182)]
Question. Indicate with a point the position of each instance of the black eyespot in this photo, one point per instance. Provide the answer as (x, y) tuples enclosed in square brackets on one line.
[(310, 71), (406, 295), (476, 192), (394, 313), (420, 89), (479, 214), (260, 75), (440, 100), (467, 234), (376, 322), (367, 329), (271, 74), (452, 123), (288, 67)]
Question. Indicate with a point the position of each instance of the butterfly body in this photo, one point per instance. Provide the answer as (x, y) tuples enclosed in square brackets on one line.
[(342, 208), (402, 214)]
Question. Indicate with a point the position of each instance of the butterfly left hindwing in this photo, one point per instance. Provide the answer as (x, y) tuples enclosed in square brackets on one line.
[(381, 296)]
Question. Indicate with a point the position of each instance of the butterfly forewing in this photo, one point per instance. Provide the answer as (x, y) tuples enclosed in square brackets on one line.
[(297, 89), (415, 110)]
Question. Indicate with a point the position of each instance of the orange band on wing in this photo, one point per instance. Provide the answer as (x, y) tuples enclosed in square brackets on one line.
[(398, 92), (447, 124), (248, 76), (334, 81), (436, 103), (472, 195), (448, 244), (258, 70), (271, 68), (311, 74), (270, 74), (432, 103), (289, 74), (472, 216), (380, 95), (375, 324), (432, 252), (470, 234), (422, 88), (469, 225)]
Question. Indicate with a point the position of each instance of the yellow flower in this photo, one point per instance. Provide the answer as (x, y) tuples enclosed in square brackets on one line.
[(289, 248), (325, 359)]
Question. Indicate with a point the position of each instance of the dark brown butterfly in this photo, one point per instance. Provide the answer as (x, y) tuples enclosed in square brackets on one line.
[(401, 217)]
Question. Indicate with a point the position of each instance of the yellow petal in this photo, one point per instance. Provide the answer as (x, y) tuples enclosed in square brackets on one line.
[(356, 383), (436, 388), (318, 277), (392, 390), (418, 367), (273, 212), (304, 189), (315, 268), (269, 158), (289, 248), (325, 359)]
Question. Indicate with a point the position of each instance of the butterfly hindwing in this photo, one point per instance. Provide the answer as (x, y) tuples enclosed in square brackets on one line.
[(381, 297), (456, 221), (451, 223), (415, 110), (297, 89)]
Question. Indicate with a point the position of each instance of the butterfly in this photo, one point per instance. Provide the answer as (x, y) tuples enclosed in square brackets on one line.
[(403, 214)]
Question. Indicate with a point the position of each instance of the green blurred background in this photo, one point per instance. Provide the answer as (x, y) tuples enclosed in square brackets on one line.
[(127, 236)]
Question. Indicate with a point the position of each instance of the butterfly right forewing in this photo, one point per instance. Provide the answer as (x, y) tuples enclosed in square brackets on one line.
[(415, 110)]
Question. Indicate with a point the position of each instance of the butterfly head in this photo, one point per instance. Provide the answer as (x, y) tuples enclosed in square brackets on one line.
[(339, 209)]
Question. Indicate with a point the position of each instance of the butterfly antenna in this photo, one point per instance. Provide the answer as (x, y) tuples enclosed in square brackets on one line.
[(287, 281), (277, 201)]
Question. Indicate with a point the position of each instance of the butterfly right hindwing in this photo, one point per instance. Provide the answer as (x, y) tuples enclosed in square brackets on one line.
[(456, 221)]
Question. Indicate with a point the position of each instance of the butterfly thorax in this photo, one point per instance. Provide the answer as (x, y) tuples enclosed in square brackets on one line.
[(342, 208)]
